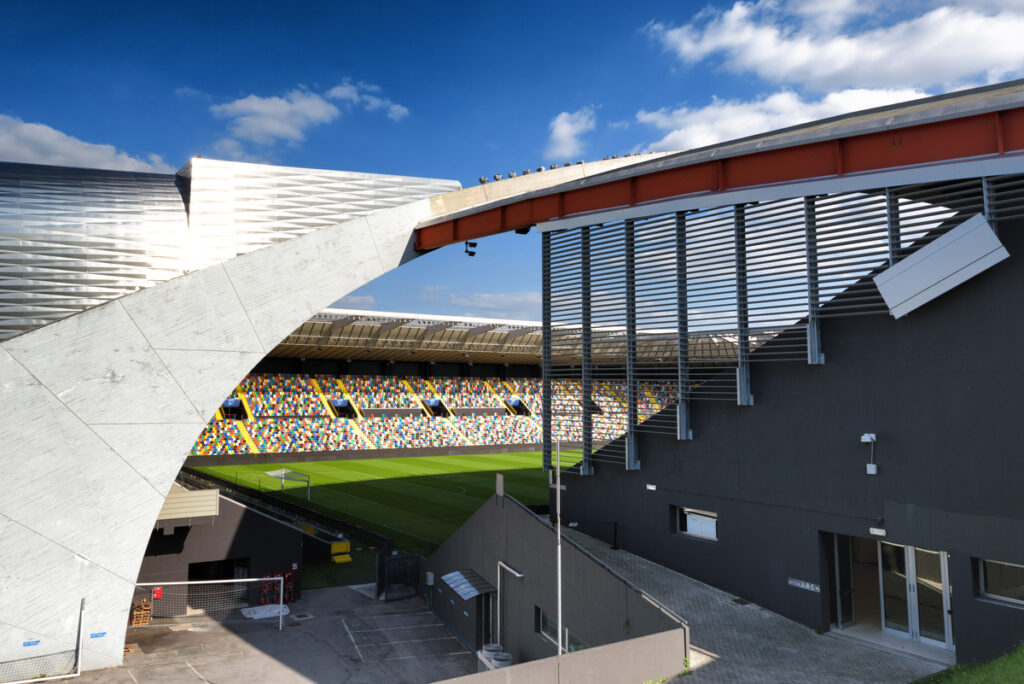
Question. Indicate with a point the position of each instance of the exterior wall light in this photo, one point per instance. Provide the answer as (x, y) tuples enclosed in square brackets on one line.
[(870, 438)]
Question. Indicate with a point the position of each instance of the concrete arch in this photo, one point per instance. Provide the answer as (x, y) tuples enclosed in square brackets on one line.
[(100, 410)]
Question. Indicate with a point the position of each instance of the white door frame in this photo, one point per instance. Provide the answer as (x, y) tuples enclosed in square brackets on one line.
[(913, 617)]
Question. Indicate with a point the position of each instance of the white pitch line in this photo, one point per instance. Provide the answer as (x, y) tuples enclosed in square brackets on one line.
[(409, 641), (196, 672), (393, 627), (358, 652), (429, 655)]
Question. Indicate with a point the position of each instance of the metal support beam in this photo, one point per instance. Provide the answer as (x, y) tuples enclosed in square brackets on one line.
[(546, 346), (683, 427), (632, 383), (892, 223), (586, 362), (988, 197), (743, 394), (815, 357)]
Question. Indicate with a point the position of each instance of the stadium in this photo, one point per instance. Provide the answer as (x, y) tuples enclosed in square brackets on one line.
[(782, 366)]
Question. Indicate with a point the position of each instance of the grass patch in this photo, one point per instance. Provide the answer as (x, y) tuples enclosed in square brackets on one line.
[(418, 501), (1004, 669)]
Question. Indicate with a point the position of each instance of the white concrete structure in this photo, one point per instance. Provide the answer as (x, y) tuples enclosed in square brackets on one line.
[(100, 409)]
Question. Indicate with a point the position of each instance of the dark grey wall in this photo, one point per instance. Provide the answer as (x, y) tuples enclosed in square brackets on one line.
[(237, 532), (942, 390), (598, 607)]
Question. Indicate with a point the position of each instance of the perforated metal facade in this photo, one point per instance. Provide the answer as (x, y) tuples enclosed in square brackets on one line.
[(71, 239)]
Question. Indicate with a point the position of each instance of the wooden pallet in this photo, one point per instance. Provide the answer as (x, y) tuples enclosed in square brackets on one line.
[(141, 613)]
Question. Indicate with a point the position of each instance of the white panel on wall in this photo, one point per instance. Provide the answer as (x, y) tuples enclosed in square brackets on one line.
[(937, 268)]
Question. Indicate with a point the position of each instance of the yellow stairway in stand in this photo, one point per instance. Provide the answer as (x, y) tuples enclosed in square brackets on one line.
[(418, 398), (354, 423), (241, 423), (498, 397), (323, 397)]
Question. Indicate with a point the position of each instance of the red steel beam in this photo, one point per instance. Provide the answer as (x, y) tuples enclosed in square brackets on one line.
[(972, 136)]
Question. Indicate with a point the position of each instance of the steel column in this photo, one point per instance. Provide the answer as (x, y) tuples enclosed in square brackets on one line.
[(632, 383), (586, 364), (546, 346), (743, 394), (892, 224), (988, 197), (683, 428), (815, 357)]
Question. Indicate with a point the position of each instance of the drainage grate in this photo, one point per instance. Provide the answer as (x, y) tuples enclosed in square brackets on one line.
[(741, 602), (302, 616)]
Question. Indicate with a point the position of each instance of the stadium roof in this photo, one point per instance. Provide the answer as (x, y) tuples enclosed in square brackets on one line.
[(384, 336), (969, 124), (390, 336)]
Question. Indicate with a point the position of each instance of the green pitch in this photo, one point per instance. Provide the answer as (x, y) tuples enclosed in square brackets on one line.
[(417, 501)]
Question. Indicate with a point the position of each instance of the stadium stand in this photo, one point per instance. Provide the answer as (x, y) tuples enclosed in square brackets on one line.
[(488, 429), (289, 413), (221, 437), (283, 395), (410, 432), (466, 393)]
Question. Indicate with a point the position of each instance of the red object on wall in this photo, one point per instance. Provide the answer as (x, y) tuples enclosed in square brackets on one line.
[(158, 592)]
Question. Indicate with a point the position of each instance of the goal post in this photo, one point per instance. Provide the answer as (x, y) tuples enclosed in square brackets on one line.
[(291, 475), (165, 604)]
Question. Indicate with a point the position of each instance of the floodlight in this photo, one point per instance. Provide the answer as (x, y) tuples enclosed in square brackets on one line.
[(497, 176), (483, 179), (867, 438)]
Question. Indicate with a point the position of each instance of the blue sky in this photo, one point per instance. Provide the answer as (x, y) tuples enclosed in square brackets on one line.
[(463, 90)]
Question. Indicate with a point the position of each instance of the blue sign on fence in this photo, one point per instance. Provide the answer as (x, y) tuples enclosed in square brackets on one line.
[(30, 643), (97, 635)]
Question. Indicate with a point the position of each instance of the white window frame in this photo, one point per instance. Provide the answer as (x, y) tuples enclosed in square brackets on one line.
[(566, 636), (982, 589), (684, 517)]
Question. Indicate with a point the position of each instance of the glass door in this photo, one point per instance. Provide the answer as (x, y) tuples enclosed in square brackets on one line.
[(915, 593), (932, 596), (892, 578)]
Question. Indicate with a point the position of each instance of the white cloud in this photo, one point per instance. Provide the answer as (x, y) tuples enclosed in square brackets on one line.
[(36, 143), (186, 91), (803, 43), (229, 148), (566, 129), (397, 112), (269, 120), (688, 128), (513, 305), (363, 95), (431, 293), (265, 120)]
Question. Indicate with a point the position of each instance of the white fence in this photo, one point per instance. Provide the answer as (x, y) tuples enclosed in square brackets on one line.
[(164, 604)]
